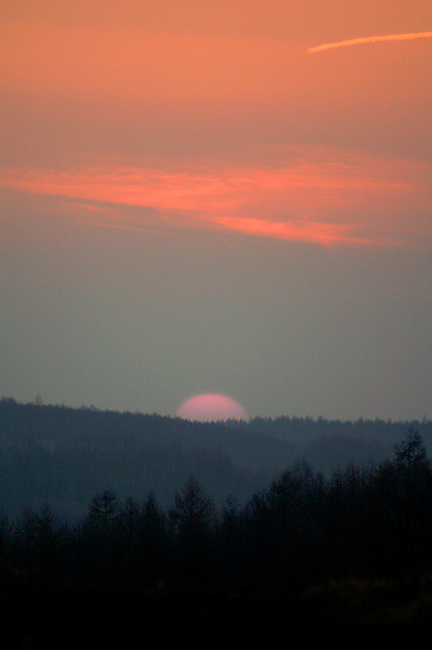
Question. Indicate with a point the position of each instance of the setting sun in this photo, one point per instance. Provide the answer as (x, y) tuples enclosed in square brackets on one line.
[(211, 408), (231, 194)]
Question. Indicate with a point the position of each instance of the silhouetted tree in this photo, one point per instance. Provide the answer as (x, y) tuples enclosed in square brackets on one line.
[(229, 546), (104, 508), (152, 544), (98, 535), (6, 529), (193, 510), (415, 476), (191, 518), (410, 454)]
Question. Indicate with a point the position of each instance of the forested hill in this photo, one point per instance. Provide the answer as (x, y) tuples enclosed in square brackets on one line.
[(64, 455)]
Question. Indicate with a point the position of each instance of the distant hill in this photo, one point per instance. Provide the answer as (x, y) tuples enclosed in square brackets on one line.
[(331, 444), (63, 456)]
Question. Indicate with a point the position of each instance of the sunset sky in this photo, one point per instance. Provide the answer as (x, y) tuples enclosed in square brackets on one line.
[(226, 197)]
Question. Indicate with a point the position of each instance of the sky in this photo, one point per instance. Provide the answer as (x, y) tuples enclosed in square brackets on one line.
[(228, 197)]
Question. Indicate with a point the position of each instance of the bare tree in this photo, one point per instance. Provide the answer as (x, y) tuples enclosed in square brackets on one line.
[(104, 508), (411, 452)]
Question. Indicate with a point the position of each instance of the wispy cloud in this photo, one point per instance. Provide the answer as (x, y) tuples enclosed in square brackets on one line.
[(370, 39), (326, 234), (357, 200)]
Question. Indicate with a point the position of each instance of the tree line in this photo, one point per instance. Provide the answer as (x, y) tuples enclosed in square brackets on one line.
[(63, 455), (304, 527)]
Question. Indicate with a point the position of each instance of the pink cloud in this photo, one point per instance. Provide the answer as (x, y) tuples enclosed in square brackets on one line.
[(320, 198)]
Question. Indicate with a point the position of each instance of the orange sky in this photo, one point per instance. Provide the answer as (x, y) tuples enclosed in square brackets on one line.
[(219, 196), (210, 88)]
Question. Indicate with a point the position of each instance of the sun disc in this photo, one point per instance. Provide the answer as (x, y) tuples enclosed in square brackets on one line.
[(211, 408)]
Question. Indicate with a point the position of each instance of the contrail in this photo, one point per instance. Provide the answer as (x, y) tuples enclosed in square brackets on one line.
[(370, 39)]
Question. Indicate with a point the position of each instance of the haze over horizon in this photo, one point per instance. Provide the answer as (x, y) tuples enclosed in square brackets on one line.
[(195, 202)]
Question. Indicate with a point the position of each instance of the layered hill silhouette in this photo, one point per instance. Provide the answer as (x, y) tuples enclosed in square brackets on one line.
[(62, 456)]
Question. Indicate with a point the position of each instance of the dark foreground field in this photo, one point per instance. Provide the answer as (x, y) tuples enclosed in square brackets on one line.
[(35, 614)]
